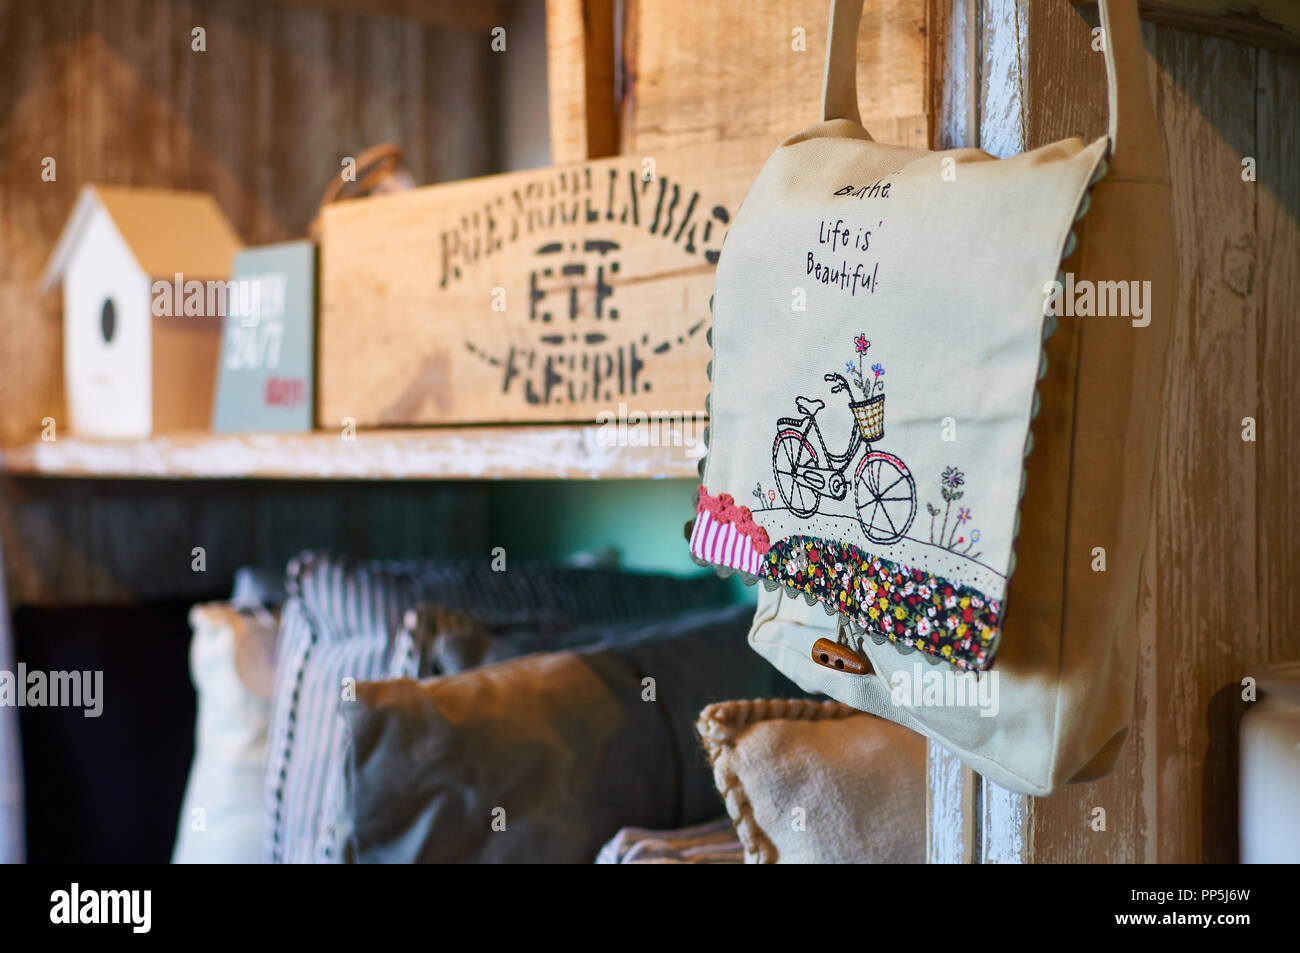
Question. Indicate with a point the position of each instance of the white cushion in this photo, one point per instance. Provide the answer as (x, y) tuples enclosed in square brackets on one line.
[(221, 816)]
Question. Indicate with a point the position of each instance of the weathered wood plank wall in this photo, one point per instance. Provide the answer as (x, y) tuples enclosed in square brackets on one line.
[(698, 71), (123, 541), (1219, 597), (113, 91)]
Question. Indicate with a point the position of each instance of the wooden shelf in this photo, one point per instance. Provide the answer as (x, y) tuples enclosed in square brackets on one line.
[(452, 453)]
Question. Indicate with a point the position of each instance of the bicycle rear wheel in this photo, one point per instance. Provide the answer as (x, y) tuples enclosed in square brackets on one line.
[(791, 454)]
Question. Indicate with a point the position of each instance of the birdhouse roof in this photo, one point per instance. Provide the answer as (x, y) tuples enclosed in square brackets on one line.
[(168, 232)]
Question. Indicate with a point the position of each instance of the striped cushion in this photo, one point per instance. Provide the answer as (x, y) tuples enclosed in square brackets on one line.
[(342, 620), (712, 843)]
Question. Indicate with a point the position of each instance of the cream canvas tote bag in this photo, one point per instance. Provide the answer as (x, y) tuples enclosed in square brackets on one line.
[(924, 364)]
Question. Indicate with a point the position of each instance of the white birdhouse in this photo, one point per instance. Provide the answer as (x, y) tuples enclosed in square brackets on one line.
[(144, 283)]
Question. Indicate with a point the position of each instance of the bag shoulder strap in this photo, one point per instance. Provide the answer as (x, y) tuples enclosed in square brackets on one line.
[(1132, 118), (840, 84), (1133, 123)]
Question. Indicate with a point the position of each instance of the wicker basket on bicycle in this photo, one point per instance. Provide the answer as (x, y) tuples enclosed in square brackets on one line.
[(870, 414)]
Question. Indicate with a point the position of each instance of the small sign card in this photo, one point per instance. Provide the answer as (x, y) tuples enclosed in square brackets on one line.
[(265, 380)]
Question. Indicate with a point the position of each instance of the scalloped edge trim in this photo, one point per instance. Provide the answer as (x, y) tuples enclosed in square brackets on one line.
[(733, 514), (1050, 323)]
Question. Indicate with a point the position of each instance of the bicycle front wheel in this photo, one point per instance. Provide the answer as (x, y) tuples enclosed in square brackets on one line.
[(885, 496)]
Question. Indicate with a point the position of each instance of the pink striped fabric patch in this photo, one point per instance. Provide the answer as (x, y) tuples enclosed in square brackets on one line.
[(720, 543)]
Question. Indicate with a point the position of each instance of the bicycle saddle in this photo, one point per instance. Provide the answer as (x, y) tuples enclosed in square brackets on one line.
[(808, 406)]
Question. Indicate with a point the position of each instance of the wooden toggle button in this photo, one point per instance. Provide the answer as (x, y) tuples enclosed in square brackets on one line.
[(836, 656)]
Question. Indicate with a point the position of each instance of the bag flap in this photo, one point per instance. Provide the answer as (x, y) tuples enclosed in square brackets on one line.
[(878, 335)]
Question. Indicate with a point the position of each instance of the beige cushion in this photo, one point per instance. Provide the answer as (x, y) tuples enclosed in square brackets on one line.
[(817, 782)]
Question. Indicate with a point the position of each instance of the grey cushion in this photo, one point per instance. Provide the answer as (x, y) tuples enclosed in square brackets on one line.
[(560, 746), (457, 641), (340, 622)]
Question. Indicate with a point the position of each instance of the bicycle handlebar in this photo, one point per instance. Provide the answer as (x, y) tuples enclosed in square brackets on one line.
[(838, 380)]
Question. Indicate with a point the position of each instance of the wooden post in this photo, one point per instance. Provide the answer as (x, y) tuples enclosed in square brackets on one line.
[(951, 808), (580, 79)]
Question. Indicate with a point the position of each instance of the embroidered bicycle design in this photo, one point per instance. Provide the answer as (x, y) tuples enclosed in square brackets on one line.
[(884, 493)]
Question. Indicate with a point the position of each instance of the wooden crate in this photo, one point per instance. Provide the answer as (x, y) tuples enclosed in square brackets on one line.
[(547, 295), (560, 294)]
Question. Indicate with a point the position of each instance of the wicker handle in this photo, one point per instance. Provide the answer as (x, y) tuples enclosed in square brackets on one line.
[(379, 169)]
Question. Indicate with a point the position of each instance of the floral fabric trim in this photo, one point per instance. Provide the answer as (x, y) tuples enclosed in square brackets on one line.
[(725, 534), (909, 607)]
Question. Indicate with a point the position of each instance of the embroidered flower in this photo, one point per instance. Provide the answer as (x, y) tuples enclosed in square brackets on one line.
[(878, 369), (904, 604), (963, 514), (861, 343), (952, 478)]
